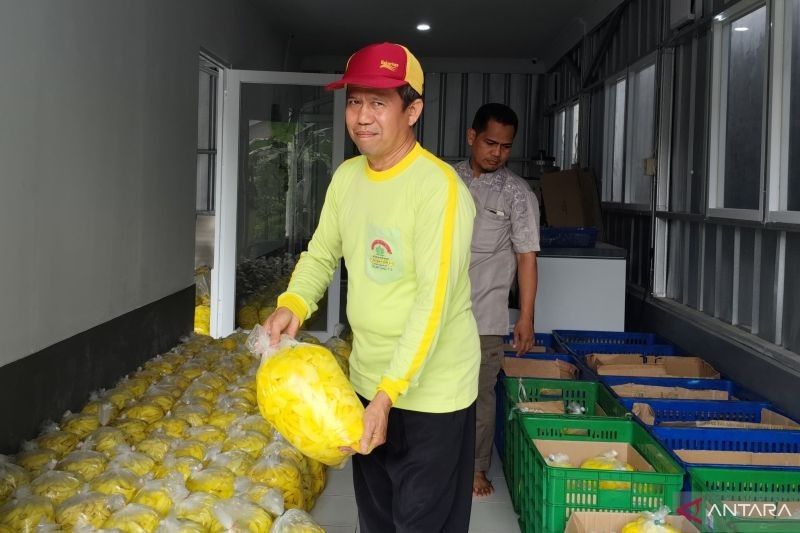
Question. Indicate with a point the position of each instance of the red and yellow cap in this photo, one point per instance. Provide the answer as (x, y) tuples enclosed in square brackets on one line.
[(382, 66)]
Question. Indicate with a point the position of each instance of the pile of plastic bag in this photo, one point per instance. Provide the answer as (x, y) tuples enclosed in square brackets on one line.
[(178, 445)]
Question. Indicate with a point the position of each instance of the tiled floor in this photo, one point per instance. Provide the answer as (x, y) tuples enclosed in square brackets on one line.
[(336, 508)]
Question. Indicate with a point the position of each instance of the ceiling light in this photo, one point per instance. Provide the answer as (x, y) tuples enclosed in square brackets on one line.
[(740, 28), (423, 26)]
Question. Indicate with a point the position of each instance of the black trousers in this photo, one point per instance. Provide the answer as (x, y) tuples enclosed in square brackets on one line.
[(420, 480)]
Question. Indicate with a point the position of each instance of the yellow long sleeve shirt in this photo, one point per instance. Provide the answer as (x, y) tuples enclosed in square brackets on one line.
[(405, 236)]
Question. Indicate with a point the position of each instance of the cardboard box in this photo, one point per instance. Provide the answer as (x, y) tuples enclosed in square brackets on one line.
[(657, 366), (507, 347), (717, 457), (571, 199), (610, 522), (635, 390), (519, 367), (769, 420), (580, 451)]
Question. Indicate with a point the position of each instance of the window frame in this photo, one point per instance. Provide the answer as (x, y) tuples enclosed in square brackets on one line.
[(609, 129), (780, 104), (651, 60), (716, 155)]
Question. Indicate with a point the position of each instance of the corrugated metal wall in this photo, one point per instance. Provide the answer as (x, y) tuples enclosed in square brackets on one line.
[(451, 100)]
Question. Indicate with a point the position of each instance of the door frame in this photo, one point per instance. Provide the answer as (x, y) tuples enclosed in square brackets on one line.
[(223, 276)]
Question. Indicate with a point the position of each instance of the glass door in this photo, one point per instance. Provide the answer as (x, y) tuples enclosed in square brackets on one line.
[(283, 136)]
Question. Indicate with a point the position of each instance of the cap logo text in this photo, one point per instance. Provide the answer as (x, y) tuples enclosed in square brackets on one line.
[(388, 65)]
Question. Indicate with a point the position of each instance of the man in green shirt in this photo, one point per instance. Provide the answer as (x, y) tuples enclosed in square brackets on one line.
[(402, 220)]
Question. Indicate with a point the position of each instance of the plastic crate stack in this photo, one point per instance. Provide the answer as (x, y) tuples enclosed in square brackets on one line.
[(741, 454)]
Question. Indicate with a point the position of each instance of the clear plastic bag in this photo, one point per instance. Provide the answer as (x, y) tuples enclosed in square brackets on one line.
[(257, 423), (117, 482), (236, 461), (155, 446), (266, 497), (177, 465), (61, 442), (251, 442), (215, 480), (177, 525), (80, 424), (207, 434), (57, 486), (161, 494), (11, 478), (190, 448), (148, 412), (88, 464), (139, 463), (135, 430), (37, 459), (105, 440), (170, 426), (654, 522), (24, 514), (296, 521), (133, 518), (198, 508), (303, 393), (237, 514), (282, 474), (609, 461), (559, 460), (89, 509)]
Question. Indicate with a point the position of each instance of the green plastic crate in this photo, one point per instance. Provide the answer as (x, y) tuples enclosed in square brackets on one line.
[(747, 485), (589, 394), (550, 494)]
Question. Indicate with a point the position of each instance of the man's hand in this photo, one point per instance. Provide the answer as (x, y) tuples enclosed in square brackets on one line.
[(281, 321), (523, 335), (376, 420)]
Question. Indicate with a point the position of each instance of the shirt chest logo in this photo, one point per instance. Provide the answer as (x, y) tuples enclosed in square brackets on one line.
[(381, 255), (384, 254)]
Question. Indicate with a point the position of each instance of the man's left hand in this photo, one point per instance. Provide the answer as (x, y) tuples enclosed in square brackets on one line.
[(376, 420), (523, 335)]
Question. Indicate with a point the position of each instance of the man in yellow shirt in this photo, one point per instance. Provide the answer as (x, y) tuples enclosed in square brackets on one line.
[(402, 221)]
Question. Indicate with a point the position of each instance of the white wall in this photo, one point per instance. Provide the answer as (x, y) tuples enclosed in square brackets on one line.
[(98, 133)]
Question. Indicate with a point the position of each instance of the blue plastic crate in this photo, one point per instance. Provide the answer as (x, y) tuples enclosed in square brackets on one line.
[(575, 336), (729, 439), (500, 392), (644, 349), (563, 237), (733, 390), (698, 410), (544, 340)]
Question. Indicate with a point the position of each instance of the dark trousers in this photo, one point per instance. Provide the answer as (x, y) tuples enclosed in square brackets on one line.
[(420, 480)]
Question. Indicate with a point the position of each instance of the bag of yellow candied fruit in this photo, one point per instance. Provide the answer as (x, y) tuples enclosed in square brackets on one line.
[(651, 523), (304, 394)]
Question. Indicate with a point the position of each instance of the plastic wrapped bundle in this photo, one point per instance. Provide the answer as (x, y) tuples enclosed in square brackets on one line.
[(198, 508), (147, 412), (307, 338), (245, 394), (12, 477), (57, 486), (247, 317), (135, 430), (286, 451), (315, 477), (136, 385), (184, 466), (89, 509), (139, 463), (237, 514), (609, 461), (173, 385), (162, 399), (224, 419), (303, 393), (161, 365), (214, 480), (150, 376), (189, 448), (559, 460), (155, 446), (176, 525), (36, 459), (212, 380), (251, 442), (133, 518), (226, 402), (24, 514), (195, 415), (266, 497), (172, 427), (201, 391), (236, 461), (283, 475), (117, 482), (120, 397), (207, 434), (104, 410), (80, 424), (106, 440), (88, 464), (257, 423), (161, 494), (61, 442), (651, 523), (296, 521)]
